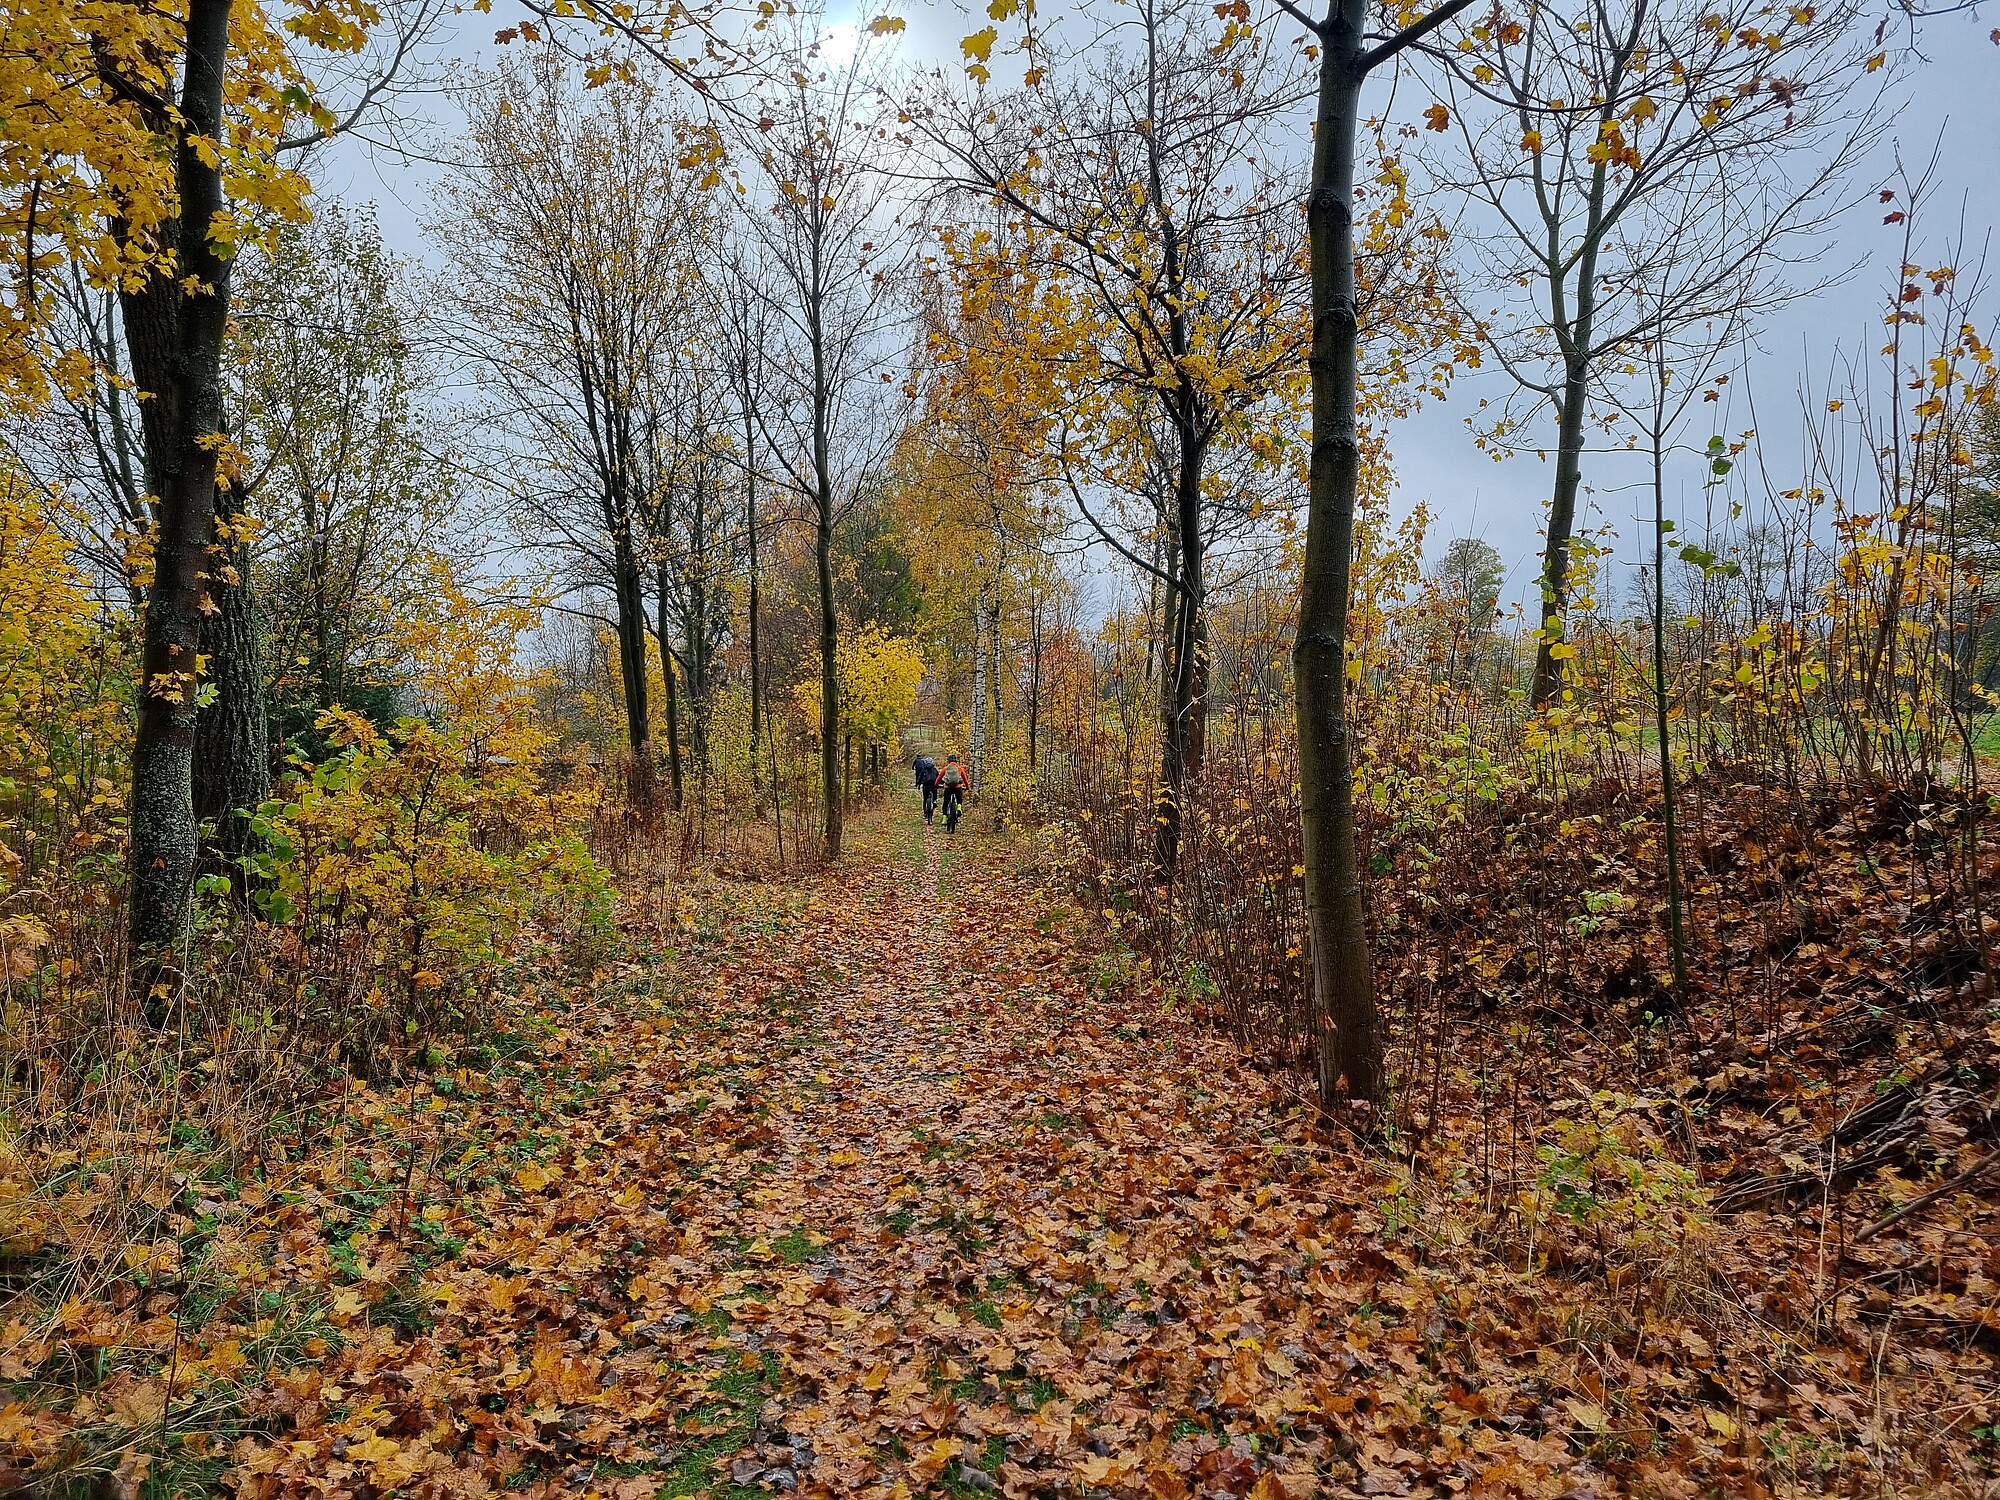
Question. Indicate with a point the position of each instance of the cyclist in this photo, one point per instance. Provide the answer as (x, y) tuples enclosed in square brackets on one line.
[(954, 782)]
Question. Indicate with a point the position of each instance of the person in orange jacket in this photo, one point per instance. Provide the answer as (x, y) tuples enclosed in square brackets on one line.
[(954, 781)]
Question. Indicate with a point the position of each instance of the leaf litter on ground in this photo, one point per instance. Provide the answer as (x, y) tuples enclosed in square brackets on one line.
[(856, 1184)]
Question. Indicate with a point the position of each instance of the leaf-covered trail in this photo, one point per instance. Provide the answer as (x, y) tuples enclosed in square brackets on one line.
[(868, 1187), (960, 1245)]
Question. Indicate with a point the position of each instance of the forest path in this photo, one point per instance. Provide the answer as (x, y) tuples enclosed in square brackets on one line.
[(934, 1255), (1002, 1227), (879, 1182)]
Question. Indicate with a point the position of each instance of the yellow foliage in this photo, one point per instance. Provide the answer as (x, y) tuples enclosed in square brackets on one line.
[(90, 140), (64, 696), (878, 674), (419, 853)]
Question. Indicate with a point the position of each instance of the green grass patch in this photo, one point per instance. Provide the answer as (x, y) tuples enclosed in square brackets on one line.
[(799, 1246)]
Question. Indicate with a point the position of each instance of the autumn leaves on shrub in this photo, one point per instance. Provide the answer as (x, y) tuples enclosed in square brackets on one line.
[(399, 873), (396, 877), (65, 691), (392, 877)]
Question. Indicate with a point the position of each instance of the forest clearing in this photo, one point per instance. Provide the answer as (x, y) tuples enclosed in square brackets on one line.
[(1439, 562)]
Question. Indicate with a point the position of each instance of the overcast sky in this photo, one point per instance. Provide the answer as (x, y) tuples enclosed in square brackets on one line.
[(1945, 104)]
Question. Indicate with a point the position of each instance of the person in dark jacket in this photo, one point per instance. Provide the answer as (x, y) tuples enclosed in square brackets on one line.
[(927, 780)]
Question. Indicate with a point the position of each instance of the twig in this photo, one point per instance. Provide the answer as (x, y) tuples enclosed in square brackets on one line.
[(1925, 1200)]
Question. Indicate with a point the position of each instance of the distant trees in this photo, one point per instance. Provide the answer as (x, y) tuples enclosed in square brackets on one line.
[(1468, 579), (84, 442), (974, 472), (1636, 169), (576, 228), (695, 534)]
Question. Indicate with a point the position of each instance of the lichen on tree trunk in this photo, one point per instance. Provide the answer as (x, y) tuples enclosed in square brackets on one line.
[(181, 314)]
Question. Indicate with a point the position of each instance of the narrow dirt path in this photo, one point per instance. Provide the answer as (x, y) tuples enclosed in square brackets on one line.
[(982, 1191), (1005, 1232), (873, 1186)]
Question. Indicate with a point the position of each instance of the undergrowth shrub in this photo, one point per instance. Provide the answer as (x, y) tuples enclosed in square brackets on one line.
[(65, 701), (398, 874), (1007, 788), (406, 865), (402, 878), (1612, 1200)]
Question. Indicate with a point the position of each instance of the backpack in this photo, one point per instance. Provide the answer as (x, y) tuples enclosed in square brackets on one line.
[(953, 777)]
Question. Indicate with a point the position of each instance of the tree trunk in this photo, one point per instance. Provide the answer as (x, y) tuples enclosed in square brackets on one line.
[(996, 745), (232, 766), (753, 606), (662, 633), (1575, 335), (1669, 811), (829, 679), (1197, 749), (163, 827), (1562, 526), (629, 595), (975, 749), (700, 673), (1181, 745), (1034, 682), (1349, 1039), (1156, 635)]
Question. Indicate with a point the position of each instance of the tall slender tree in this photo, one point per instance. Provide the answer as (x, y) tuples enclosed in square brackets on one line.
[(1349, 1050), (1637, 165), (741, 352), (576, 225), (825, 227)]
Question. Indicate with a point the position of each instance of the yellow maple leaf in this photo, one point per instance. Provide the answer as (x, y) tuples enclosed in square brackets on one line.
[(533, 1177)]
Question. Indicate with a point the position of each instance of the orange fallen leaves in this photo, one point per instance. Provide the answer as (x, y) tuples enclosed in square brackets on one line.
[(866, 1194)]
